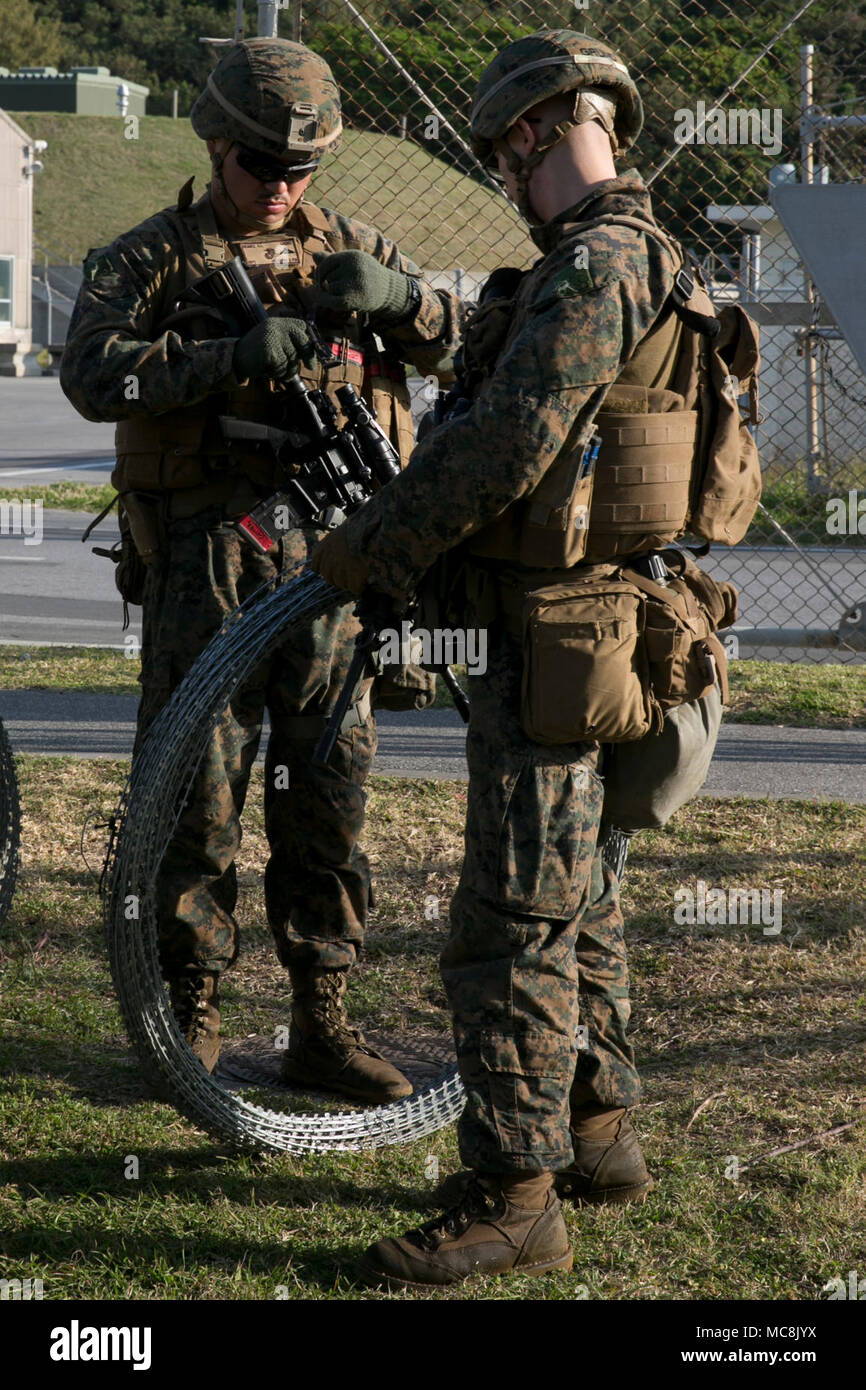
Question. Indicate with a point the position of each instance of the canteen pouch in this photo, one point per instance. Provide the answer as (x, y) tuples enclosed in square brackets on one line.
[(647, 781), (585, 677), (683, 655)]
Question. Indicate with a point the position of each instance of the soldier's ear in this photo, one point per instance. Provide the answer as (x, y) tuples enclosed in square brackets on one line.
[(523, 136)]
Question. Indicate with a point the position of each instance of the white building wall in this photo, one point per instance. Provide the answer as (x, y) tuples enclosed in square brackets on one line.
[(16, 238), (783, 436)]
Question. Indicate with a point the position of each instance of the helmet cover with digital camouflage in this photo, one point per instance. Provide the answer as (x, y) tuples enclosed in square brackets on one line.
[(549, 63), (274, 96)]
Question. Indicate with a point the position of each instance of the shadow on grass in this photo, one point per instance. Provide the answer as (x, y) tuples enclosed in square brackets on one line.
[(107, 1076), (202, 1174), (321, 1267), (753, 1048)]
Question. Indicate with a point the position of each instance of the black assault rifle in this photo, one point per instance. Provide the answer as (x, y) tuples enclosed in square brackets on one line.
[(326, 472)]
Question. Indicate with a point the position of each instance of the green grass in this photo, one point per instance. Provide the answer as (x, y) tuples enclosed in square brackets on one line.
[(803, 514), (98, 669), (772, 1028), (762, 692), (97, 184), (70, 497), (802, 695)]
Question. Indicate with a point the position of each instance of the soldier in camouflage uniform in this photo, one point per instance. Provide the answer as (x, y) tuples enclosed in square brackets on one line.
[(536, 943), (271, 109)]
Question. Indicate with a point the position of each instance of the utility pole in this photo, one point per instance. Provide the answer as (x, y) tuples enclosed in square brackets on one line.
[(814, 479), (267, 19)]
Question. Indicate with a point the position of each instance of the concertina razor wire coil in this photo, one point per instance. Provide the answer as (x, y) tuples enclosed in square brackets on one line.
[(143, 825)]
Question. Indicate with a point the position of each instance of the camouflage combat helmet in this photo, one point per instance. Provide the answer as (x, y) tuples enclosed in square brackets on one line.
[(275, 96), (545, 64)]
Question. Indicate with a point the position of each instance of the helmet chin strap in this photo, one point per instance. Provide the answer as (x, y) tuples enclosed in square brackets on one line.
[(588, 106), (243, 219)]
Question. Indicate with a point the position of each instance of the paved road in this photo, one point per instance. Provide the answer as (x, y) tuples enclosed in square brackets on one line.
[(751, 760), (43, 438), (59, 592)]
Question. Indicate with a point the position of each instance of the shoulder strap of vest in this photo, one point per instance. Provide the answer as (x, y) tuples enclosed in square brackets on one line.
[(214, 249), (640, 224), (312, 219), (684, 284), (204, 248)]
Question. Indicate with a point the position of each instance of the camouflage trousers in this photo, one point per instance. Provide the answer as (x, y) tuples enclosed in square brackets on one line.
[(535, 964), (317, 881)]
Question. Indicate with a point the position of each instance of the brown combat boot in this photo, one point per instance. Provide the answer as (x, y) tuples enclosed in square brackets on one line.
[(326, 1053), (501, 1225), (195, 1004), (608, 1164)]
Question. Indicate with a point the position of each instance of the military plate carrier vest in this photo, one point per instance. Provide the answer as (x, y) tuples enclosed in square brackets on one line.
[(675, 453), (184, 448)]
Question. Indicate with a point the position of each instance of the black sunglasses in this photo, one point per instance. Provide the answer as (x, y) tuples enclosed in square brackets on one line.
[(268, 170)]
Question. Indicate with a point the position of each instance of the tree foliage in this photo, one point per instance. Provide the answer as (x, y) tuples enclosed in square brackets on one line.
[(27, 39), (679, 52)]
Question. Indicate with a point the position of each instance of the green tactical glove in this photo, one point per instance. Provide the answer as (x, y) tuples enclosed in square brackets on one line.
[(272, 350), (334, 561), (354, 282)]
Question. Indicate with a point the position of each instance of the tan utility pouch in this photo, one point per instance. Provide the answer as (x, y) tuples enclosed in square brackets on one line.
[(404, 687), (403, 684), (608, 653), (585, 676), (548, 529), (644, 471), (389, 399), (556, 517), (161, 451), (143, 513), (729, 487)]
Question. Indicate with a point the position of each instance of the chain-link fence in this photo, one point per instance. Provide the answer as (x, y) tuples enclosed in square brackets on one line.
[(739, 98)]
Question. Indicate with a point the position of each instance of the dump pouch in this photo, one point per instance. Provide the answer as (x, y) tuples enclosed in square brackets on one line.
[(645, 782)]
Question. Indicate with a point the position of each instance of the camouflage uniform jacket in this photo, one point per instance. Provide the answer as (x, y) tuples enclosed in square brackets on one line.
[(572, 331), (114, 333)]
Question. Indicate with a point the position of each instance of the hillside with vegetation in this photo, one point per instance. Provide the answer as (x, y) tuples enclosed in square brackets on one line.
[(679, 53), (96, 184)]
